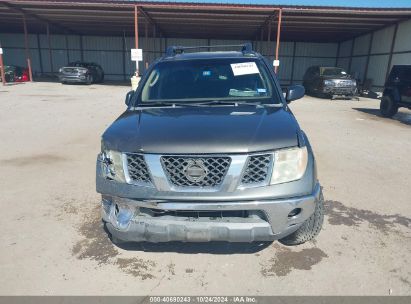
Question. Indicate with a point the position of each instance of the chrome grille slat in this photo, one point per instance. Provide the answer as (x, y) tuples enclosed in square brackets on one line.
[(217, 167), (257, 169), (137, 168)]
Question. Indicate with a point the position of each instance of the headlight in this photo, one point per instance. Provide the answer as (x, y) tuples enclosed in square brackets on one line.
[(60, 70), (289, 165), (112, 165), (329, 83), (353, 82)]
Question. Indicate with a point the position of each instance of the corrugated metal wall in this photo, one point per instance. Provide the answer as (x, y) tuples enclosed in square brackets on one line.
[(374, 61), (113, 53), (366, 56)]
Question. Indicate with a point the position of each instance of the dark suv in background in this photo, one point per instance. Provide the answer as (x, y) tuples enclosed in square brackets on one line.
[(81, 72), (328, 82), (397, 91)]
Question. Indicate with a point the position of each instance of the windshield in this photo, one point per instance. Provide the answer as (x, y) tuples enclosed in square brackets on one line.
[(204, 79), (78, 64), (333, 72)]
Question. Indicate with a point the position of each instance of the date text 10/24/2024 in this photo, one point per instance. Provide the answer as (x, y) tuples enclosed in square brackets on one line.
[(203, 299)]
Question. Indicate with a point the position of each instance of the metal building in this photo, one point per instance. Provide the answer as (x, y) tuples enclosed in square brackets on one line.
[(47, 34)]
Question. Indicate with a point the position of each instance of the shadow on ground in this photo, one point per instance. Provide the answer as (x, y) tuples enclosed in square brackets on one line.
[(190, 248), (401, 117), (193, 248)]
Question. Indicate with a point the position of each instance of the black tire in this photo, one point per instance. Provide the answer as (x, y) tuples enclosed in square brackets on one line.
[(388, 107), (90, 79), (311, 227), (102, 78)]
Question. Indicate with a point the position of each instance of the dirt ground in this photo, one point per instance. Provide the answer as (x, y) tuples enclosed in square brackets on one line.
[(52, 241)]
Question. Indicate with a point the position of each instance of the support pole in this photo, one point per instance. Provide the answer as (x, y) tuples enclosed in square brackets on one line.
[(146, 42), (3, 76), (394, 38), (81, 48), (136, 32), (261, 40), (269, 36), (154, 41), (277, 47), (39, 52), (26, 46), (49, 48), (67, 48)]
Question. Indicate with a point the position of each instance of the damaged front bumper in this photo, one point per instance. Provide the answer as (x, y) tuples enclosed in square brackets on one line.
[(134, 220)]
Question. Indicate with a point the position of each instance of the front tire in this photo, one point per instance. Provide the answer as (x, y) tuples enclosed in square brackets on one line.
[(310, 228), (388, 107)]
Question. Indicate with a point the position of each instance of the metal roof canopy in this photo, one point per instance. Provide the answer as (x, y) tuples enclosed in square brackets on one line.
[(196, 20)]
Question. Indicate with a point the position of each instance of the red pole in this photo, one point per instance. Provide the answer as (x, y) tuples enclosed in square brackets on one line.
[(3, 76), (136, 32), (26, 44), (277, 48)]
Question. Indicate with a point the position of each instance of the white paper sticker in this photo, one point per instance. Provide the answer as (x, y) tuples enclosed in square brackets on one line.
[(136, 54), (1, 51), (244, 68), (276, 63)]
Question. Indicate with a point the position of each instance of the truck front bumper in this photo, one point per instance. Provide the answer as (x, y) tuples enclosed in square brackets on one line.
[(159, 221), (343, 91)]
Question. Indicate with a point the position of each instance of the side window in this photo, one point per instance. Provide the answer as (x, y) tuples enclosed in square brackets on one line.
[(406, 74), (395, 74), (309, 73)]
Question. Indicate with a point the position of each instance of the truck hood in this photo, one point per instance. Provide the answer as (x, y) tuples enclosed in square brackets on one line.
[(214, 129)]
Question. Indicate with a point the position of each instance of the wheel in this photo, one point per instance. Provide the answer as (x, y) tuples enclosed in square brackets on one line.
[(90, 79), (388, 107), (310, 228), (102, 78)]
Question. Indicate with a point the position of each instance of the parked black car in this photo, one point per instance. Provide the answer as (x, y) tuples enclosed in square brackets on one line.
[(397, 91), (209, 150), (329, 82), (81, 72)]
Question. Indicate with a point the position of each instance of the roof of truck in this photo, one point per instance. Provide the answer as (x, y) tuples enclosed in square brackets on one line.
[(211, 55)]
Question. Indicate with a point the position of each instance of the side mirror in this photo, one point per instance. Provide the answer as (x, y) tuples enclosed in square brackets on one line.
[(129, 97), (294, 92)]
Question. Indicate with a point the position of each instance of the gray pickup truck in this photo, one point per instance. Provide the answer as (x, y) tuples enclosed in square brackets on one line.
[(209, 150)]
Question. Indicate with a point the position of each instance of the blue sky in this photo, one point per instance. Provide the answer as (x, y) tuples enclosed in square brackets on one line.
[(353, 3)]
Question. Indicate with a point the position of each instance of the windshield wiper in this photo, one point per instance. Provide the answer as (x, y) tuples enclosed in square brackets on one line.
[(163, 104), (237, 103), (207, 103)]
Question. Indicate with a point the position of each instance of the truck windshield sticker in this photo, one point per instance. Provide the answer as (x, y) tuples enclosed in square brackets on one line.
[(244, 68)]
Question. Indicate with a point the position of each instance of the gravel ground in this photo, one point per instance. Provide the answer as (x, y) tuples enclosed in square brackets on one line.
[(52, 241)]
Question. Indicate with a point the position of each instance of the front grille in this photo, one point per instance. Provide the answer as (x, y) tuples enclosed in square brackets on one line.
[(70, 70), (137, 168), (343, 83), (215, 169), (257, 169), (196, 214)]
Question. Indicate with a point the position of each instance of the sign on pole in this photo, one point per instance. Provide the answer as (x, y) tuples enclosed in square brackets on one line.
[(1, 51), (136, 55)]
